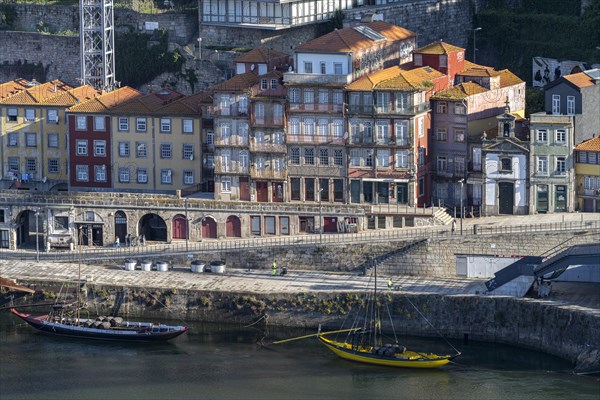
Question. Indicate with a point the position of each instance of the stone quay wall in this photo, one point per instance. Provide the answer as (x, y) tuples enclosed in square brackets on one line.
[(571, 333)]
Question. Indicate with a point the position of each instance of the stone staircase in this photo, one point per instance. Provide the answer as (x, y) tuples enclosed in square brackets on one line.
[(441, 217)]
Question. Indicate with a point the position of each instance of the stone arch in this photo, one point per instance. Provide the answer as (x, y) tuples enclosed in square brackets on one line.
[(121, 225), (233, 226), (209, 228), (28, 228), (153, 227)]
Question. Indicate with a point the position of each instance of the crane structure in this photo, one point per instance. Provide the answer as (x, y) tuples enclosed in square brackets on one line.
[(97, 41)]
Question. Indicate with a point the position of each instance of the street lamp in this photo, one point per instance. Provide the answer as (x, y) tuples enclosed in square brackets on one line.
[(475, 47), (320, 217), (462, 181), (37, 239)]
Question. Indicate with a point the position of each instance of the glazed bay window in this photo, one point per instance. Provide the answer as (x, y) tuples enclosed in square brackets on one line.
[(82, 173), (142, 175), (165, 125), (166, 150), (140, 124), (123, 124), (100, 148), (166, 176), (81, 147), (124, 175)]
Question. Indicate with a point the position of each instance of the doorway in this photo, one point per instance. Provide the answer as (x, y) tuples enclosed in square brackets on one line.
[(506, 197)]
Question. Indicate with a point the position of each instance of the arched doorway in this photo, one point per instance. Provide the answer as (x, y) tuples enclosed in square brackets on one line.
[(153, 227), (120, 226), (28, 228), (180, 227), (209, 228), (233, 227)]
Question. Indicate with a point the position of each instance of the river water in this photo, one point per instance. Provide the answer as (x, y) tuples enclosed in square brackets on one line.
[(225, 362)]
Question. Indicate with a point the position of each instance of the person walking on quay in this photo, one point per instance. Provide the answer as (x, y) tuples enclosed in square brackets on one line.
[(274, 268), (117, 243), (453, 225), (390, 283)]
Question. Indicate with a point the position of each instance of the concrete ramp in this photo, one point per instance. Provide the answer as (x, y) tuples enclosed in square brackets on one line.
[(518, 287)]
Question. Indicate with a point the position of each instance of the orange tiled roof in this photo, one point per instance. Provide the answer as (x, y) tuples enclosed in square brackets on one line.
[(107, 101), (396, 78), (73, 96), (459, 92), (580, 79), (237, 83), (260, 55), (349, 39), (188, 105), (479, 71), (368, 82), (592, 144), (438, 48), (145, 104), (12, 87), (507, 78), (37, 94)]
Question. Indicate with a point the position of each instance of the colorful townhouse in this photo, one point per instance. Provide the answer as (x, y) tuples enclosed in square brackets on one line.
[(587, 172)]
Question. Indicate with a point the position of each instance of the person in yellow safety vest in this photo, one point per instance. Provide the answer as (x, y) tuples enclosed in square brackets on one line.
[(274, 268), (390, 283)]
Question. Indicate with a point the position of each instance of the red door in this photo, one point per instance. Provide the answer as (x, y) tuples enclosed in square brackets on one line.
[(244, 189), (262, 192), (330, 224), (179, 227), (233, 227), (209, 228)]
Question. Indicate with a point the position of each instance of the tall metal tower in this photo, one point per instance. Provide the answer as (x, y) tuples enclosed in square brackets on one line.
[(97, 43)]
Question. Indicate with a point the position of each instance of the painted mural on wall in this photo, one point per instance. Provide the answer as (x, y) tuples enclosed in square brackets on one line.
[(546, 70)]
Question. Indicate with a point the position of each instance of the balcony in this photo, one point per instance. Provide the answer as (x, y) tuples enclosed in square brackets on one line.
[(316, 79), (591, 192), (262, 147), (232, 141), (315, 139), (231, 168), (413, 110), (267, 122), (316, 107), (232, 112), (257, 173)]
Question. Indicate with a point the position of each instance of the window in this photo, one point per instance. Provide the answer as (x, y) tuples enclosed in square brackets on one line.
[(294, 95), (324, 156), (383, 132), (368, 132), (142, 175), (140, 124), (123, 124), (295, 156), (225, 133), (383, 101), (188, 126), (210, 138), (11, 115), (89, 216), (309, 96), (593, 158), (124, 175), (561, 165), (308, 67), (338, 157), (401, 101), (263, 84), (421, 127), (13, 139), (30, 139), (542, 135), (322, 127), (141, 150), (309, 126), (582, 157), (166, 150), (570, 105), (165, 125), (542, 165), (459, 108), (243, 160), (188, 177), (53, 165), (323, 96), (459, 135), (442, 107), (52, 116), (309, 156), (31, 165), (99, 123), (323, 68), (13, 164), (441, 134), (442, 164), (187, 151), (354, 157), (166, 176), (273, 84), (100, 173), (476, 158), (555, 104), (81, 122), (506, 164), (100, 148), (368, 157), (421, 187), (82, 173), (53, 140), (337, 68), (123, 149), (29, 114), (401, 158), (561, 136), (459, 165), (82, 147), (226, 185), (383, 158), (421, 158)]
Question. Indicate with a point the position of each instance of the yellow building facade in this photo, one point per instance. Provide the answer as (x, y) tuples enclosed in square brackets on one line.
[(587, 171)]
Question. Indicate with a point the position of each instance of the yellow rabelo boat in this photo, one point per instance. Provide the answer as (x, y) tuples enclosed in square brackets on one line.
[(364, 340)]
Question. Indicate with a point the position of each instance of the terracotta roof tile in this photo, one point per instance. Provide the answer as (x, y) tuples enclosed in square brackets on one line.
[(460, 91), (107, 101), (260, 55), (396, 78), (592, 144), (349, 39), (37, 94), (580, 79), (10, 88), (73, 96), (507, 78), (479, 71), (237, 83), (368, 82), (438, 48)]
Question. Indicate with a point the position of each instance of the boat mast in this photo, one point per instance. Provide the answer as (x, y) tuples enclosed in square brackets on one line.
[(78, 287)]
